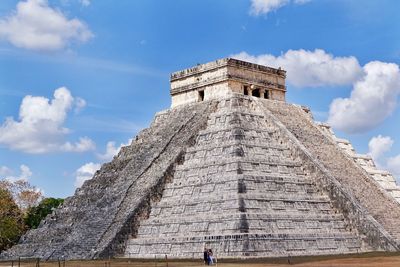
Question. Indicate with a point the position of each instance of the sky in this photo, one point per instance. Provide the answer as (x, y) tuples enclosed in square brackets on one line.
[(80, 78)]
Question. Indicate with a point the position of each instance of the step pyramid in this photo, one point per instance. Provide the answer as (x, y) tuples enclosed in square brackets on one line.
[(242, 190), (230, 167)]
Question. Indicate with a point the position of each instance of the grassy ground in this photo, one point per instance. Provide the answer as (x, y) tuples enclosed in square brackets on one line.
[(363, 260)]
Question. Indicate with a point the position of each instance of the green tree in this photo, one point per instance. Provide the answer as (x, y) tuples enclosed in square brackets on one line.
[(39, 212), (11, 220)]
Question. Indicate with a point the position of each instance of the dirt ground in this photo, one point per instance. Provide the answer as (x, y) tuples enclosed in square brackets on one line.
[(392, 260)]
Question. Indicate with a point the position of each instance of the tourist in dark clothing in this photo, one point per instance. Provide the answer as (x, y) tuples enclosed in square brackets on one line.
[(205, 254)]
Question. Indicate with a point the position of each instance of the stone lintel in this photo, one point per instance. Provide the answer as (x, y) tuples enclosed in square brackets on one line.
[(225, 78), (220, 63)]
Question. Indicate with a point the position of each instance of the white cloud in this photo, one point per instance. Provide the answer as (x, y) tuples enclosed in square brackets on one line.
[(85, 2), (84, 144), (36, 26), (265, 6), (86, 172), (379, 145), (24, 175), (259, 7), (40, 125), (310, 68), (373, 98), (80, 103), (111, 150), (376, 85)]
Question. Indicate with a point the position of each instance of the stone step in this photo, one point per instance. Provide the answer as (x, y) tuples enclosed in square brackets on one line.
[(230, 196), (245, 144), (256, 162), (232, 207), (236, 245), (180, 179), (270, 216), (250, 236), (239, 186), (302, 208), (229, 228)]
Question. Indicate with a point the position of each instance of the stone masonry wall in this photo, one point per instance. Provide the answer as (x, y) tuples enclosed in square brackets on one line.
[(375, 213), (385, 179), (96, 221)]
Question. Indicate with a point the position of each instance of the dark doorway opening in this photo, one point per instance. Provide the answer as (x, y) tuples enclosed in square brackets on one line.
[(201, 95), (266, 94), (256, 92), (245, 90)]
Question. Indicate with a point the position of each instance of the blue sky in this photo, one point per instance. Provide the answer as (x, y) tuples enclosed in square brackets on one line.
[(108, 64)]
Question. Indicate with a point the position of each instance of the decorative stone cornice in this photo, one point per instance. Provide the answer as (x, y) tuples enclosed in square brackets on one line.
[(201, 68)]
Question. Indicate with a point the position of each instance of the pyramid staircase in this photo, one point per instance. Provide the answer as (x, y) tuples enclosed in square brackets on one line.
[(243, 190)]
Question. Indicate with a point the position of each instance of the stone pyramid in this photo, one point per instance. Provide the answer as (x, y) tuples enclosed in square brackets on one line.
[(230, 166)]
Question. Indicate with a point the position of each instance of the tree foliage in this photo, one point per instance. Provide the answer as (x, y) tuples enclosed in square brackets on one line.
[(25, 195), (39, 212), (11, 220), (21, 207)]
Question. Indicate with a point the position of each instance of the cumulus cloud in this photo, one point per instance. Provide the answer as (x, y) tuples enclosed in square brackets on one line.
[(112, 150), (86, 172), (310, 68), (378, 146), (25, 173), (373, 98), (84, 144), (35, 25), (40, 125), (259, 7), (375, 86)]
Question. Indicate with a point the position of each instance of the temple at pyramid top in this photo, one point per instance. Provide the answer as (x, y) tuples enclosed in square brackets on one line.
[(225, 76)]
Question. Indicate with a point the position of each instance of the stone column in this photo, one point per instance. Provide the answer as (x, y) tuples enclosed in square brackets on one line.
[(262, 92)]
